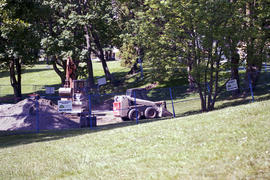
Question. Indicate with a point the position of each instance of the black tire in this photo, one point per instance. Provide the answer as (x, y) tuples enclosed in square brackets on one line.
[(124, 118), (133, 114), (150, 113)]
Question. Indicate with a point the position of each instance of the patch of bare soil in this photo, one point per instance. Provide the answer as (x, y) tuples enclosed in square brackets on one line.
[(106, 105), (105, 117), (24, 115), (104, 112)]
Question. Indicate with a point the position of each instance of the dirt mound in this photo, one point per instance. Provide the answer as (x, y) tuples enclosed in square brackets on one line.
[(24, 116)]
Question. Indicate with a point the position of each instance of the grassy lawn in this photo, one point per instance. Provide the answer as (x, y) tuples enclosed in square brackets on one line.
[(232, 143), (184, 103), (36, 77), (41, 75)]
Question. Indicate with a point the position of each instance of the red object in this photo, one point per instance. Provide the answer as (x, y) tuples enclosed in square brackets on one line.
[(33, 96), (116, 108)]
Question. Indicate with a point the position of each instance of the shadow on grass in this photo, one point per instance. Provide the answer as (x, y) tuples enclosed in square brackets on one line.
[(4, 74), (8, 140), (28, 137), (125, 81), (231, 103), (32, 70), (36, 70), (39, 89)]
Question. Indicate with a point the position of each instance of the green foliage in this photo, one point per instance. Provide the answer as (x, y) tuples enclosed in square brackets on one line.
[(197, 35), (19, 38), (68, 25), (19, 33), (128, 54)]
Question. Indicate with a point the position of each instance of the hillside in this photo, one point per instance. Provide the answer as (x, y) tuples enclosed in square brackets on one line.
[(223, 144)]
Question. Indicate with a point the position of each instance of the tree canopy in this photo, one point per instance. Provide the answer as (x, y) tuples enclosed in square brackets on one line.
[(168, 35), (19, 37), (198, 35)]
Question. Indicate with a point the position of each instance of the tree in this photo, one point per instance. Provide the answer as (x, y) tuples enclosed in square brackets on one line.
[(102, 27), (79, 29), (256, 37), (192, 34), (234, 35), (128, 13), (63, 37), (19, 36)]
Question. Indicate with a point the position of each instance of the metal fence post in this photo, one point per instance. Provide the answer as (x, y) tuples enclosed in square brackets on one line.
[(90, 111), (172, 102), (250, 87), (37, 114)]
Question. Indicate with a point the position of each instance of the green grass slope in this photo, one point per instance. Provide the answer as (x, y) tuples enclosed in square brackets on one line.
[(223, 144)]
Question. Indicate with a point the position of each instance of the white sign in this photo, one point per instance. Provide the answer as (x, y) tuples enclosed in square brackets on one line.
[(231, 85), (102, 81), (50, 90), (64, 106)]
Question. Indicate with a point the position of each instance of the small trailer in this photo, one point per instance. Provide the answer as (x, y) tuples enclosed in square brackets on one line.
[(130, 107)]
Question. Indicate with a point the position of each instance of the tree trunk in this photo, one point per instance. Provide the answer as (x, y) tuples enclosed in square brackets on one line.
[(110, 55), (234, 68), (203, 103), (216, 79), (61, 74), (90, 71), (107, 56), (82, 10), (15, 68), (190, 78), (101, 54), (254, 49), (254, 63), (89, 60), (252, 75)]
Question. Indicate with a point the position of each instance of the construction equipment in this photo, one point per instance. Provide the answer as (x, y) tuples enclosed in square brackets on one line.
[(75, 91), (131, 107)]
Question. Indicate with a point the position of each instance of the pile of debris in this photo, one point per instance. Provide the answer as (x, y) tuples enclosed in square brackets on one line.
[(25, 116)]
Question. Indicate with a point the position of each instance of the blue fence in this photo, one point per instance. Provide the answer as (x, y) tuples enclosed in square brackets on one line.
[(36, 114)]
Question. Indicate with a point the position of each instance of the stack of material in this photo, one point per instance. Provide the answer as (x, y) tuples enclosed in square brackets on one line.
[(24, 116)]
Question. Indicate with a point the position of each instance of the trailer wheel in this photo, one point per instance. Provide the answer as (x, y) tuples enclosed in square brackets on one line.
[(150, 113), (133, 114)]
